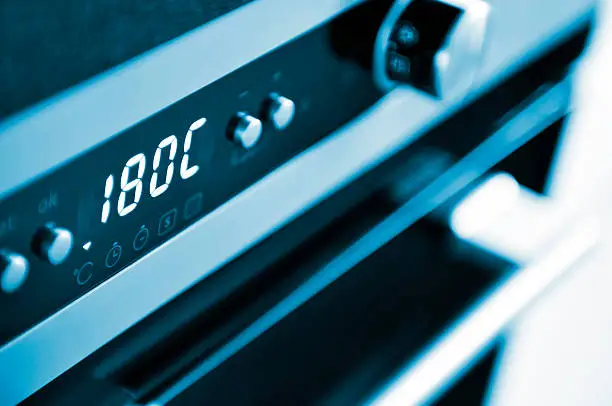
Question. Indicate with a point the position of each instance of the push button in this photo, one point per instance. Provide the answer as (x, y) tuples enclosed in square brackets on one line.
[(279, 111), (166, 223), (14, 270), (141, 238), (52, 244), (113, 255), (245, 130)]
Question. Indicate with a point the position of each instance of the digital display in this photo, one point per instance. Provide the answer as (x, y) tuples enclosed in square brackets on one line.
[(137, 177)]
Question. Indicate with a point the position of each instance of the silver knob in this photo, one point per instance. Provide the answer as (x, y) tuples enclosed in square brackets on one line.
[(245, 130), (14, 270), (441, 54), (279, 110), (53, 244), (457, 63)]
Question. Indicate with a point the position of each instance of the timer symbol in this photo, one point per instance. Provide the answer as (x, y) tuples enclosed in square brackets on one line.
[(113, 255), (141, 238)]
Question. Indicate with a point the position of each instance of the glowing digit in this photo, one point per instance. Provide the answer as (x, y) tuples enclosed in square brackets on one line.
[(127, 185), (108, 190), (172, 143), (186, 172)]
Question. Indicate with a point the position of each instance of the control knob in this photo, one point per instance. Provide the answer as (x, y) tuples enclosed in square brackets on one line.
[(245, 130), (52, 244), (14, 270), (434, 45)]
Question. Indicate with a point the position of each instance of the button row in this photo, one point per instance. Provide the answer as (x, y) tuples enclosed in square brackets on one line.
[(52, 244), (246, 129)]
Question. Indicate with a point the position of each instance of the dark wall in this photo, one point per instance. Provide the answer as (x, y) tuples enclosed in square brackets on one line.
[(48, 46)]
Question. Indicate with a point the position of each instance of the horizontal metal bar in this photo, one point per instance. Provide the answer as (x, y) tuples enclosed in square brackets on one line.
[(450, 356)]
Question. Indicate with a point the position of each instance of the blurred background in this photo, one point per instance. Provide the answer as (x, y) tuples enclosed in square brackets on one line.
[(557, 352)]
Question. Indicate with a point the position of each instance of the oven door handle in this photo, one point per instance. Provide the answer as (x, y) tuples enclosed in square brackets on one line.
[(468, 339)]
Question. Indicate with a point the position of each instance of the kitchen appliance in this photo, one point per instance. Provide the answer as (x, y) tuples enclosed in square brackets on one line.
[(261, 193)]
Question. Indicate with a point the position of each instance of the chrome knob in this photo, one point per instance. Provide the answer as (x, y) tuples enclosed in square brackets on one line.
[(279, 110), (245, 130), (14, 270), (52, 244), (434, 45)]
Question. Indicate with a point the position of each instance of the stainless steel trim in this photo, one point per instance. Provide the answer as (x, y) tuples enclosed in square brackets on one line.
[(528, 123), (53, 346), (448, 358)]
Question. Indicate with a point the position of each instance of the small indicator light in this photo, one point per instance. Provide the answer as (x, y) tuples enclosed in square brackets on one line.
[(87, 246)]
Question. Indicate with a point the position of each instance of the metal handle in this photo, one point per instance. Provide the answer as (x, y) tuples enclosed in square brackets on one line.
[(447, 358), (502, 217)]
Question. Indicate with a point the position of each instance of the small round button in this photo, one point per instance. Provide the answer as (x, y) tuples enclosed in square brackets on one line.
[(113, 255), (141, 238), (84, 273), (52, 244), (279, 110), (13, 271), (245, 130)]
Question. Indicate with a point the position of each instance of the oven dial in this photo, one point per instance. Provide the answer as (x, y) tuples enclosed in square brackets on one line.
[(245, 130), (52, 244), (13, 271), (434, 45)]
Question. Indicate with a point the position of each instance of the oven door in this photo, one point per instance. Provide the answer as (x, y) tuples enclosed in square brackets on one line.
[(394, 302), (388, 290)]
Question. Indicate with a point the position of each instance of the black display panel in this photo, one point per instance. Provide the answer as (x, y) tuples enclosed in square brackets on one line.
[(136, 191)]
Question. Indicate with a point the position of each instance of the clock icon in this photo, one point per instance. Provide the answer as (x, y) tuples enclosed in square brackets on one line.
[(113, 255)]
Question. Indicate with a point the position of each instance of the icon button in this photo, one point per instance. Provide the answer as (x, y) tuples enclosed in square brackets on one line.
[(84, 273), (406, 34), (193, 206), (141, 238), (166, 223), (399, 67), (113, 255)]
